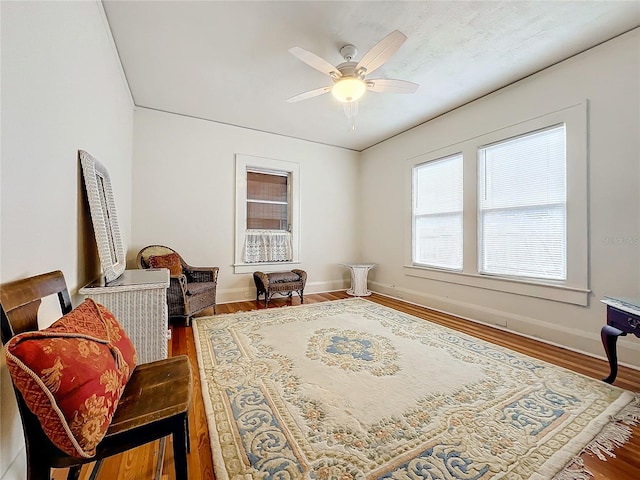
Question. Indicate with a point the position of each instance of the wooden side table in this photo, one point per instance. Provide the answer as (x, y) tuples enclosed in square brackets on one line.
[(623, 316), (359, 272), (138, 299)]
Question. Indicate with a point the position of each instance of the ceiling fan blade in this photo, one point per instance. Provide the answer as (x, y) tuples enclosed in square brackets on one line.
[(391, 86), (310, 94), (315, 61), (382, 51)]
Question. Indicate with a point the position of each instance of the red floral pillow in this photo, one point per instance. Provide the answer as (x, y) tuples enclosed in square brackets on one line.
[(170, 261), (72, 374)]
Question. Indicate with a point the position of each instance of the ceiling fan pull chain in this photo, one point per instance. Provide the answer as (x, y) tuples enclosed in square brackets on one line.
[(351, 110)]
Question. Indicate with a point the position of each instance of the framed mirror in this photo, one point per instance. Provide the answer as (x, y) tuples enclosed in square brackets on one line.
[(103, 215)]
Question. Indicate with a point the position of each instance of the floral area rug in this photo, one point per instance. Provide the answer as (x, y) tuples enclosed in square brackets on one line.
[(354, 390)]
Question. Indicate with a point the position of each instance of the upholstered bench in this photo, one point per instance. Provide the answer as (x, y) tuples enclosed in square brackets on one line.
[(284, 283)]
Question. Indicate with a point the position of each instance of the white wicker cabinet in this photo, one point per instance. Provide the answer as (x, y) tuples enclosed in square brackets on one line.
[(138, 299)]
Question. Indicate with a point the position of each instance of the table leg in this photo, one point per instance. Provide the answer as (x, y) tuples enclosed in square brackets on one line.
[(609, 336)]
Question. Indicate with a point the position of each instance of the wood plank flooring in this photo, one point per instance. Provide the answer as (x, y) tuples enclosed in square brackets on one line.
[(140, 463)]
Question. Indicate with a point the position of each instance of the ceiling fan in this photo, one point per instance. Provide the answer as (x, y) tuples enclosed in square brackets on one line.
[(349, 78)]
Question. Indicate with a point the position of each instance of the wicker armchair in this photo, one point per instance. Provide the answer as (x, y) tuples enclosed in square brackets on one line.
[(191, 289)]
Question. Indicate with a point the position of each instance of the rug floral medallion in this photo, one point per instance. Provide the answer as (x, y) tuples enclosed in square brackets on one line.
[(354, 390)]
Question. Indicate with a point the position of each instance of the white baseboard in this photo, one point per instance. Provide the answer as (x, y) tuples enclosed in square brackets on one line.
[(553, 334)]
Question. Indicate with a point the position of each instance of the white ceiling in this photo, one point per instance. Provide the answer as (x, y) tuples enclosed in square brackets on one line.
[(228, 61)]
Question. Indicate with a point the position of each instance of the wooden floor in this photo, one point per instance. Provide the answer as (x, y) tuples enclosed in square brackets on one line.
[(140, 463)]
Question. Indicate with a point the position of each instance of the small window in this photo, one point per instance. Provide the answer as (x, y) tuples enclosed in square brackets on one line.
[(522, 206), (437, 213), (267, 214)]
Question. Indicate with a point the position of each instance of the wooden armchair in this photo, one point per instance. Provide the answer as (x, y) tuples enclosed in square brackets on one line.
[(191, 289), (154, 404)]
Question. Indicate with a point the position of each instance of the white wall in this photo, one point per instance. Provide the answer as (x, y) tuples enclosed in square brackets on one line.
[(184, 197), (62, 90), (608, 77)]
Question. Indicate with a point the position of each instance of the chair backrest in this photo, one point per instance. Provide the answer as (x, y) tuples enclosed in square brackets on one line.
[(19, 303), (143, 255), (20, 300)]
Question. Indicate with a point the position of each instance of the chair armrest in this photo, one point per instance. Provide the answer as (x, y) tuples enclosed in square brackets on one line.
[(302, 274), (262, 279), (177, 293), (178, 284), (201, 274)]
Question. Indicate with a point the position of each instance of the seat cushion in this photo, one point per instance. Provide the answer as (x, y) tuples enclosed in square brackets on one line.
[(72, 374), (283, 277), (195, 288), (170, 261)]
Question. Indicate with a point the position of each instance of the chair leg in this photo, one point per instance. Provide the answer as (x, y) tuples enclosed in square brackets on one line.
[(180, 450), (96, 470), (37, 470), (162, 444), (186, 432), (74, 473)]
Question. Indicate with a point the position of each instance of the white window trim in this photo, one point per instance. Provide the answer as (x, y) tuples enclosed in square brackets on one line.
[(576, 288), (266, 164)]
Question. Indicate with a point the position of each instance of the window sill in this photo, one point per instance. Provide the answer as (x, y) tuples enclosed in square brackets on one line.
[(557, 293), (264, 267)]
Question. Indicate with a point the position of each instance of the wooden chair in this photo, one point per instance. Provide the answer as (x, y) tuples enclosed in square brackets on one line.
[(189, 292), (154, 404)]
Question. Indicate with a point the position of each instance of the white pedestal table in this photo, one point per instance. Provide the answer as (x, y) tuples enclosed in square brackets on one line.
[(359, 272)]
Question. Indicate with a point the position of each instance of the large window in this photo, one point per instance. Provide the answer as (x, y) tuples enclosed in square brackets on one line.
[(522, 206), (505, 210), (437, 213), (267, 214)]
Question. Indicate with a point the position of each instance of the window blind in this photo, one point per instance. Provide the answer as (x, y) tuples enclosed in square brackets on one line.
[(522, 206), (437, 213), (267, 201)]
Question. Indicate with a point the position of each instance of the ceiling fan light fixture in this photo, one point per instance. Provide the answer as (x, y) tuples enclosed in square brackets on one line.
[(349, 89)]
